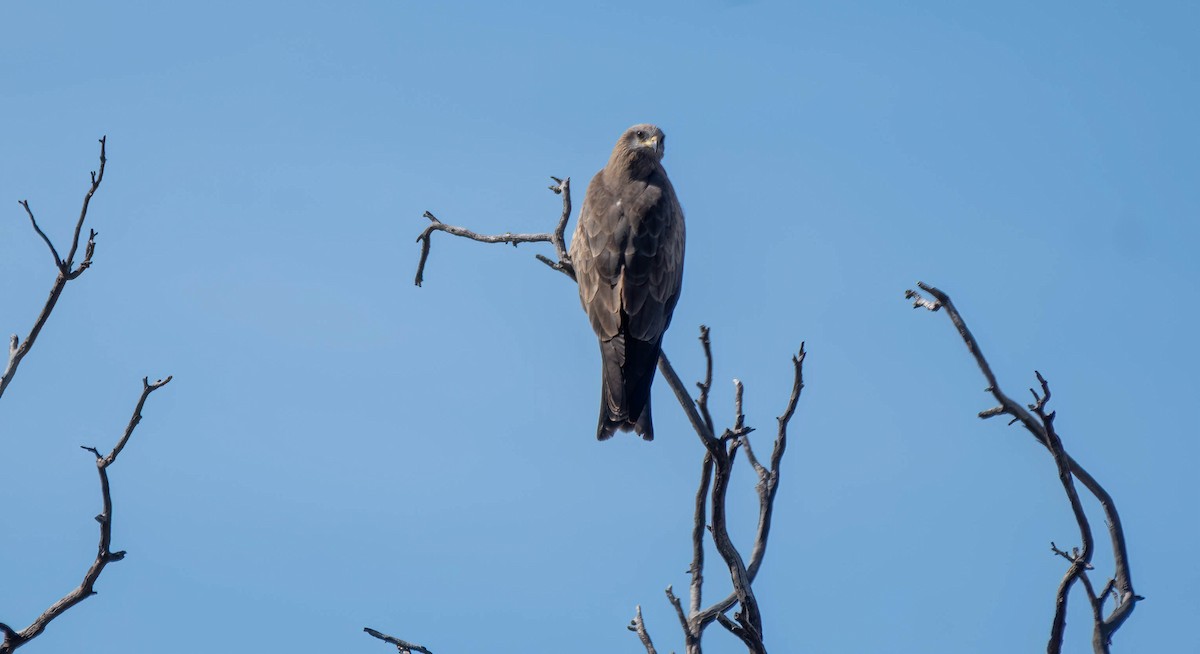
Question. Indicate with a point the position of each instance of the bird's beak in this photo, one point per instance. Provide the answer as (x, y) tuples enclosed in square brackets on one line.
[(653, 143)]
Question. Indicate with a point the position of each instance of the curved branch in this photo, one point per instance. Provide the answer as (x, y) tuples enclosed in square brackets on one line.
[(104, 555), (1042, 428)]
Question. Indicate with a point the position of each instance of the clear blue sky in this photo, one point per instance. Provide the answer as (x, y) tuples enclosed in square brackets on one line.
[(343, 449)]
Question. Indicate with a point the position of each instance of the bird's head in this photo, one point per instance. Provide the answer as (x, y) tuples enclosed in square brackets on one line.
[(638, 151), (645, 140)]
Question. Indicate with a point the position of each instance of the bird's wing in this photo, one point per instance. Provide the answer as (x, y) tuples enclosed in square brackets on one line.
[(653, 258), (596, 253)]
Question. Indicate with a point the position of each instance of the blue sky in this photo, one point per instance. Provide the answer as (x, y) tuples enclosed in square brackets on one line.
[(342, 449)]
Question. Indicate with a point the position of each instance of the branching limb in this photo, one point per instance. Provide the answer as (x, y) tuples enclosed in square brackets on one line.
[(402, 646), (14, 639), (766, 487), (715, 475), (557, 237), (1040, 424), (18, 349)]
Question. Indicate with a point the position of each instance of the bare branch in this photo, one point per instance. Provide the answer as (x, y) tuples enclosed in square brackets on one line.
[(87, 199), (681, 394), (749, 617), (104, 556), (17, 348), (674, 601), (992, 412), (1040, 424), (402, 646), (638, 626), (706, 385), (147, 389), (53, 252), (699, 523), (919, 301), (563, 187), (767, 488)]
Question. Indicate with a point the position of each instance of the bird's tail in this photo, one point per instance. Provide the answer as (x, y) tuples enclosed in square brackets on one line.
[(627, 372)]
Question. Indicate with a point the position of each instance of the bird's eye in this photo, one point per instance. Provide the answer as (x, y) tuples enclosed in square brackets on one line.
[(641, 135)]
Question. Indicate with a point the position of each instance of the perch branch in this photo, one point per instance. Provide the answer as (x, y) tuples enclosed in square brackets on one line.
[(1041, 425), (17, 348), (104, 555), (561, 187)]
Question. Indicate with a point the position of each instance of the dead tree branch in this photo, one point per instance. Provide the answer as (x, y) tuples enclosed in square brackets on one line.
[(1040, 424), (716, 471), (104, 555), (638, 626), (67, 271), (561, 187)]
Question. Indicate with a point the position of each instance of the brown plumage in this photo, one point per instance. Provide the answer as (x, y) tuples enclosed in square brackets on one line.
[(628, 258)]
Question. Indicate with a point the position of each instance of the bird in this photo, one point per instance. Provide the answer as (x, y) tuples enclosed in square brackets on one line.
[(627, 253)]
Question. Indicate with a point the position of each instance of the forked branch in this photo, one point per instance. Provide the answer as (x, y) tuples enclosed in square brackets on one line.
[(1040, 424), (67, 271), (557, 237), (716, 472), (104, 554)]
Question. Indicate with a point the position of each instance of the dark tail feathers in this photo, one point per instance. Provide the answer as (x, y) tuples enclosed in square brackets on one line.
[(627, 373)]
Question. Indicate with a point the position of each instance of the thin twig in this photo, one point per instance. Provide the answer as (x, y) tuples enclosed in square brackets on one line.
[(14, 639), (97, 177), (46, 239), (17, 348)]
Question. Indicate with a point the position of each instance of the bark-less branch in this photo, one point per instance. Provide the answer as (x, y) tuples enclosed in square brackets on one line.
[(716, 468), (1040, 424), (67, 271), (104, 554), (560, 187), (638, 626)]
